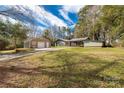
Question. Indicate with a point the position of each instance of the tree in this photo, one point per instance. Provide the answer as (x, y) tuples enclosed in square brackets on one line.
[(3, 36), (88, 17), (3, 32), (113, 20), (69, 33), (103, 23), (48, 35), (17, 33)]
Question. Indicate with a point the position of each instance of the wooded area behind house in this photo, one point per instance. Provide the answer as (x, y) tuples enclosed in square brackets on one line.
[(97, 22), (103, 23)]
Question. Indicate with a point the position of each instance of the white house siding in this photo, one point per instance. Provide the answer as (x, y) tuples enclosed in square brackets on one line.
[(92, 44)]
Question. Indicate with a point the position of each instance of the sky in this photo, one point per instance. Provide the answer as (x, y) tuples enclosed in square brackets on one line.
[(66, 13), (43, 16)]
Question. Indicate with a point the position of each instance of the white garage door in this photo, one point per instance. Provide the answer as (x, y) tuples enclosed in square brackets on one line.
[(47, 44), (41, 45)]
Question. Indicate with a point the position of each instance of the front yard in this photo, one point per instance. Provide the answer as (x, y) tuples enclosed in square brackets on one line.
[(71, 67)]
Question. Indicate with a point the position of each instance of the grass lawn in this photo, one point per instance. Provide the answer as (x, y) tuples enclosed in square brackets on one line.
[(15, 51), (71, 67), (7, 51)]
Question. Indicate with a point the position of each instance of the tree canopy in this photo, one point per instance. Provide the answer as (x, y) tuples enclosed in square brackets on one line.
[(13, 34), (104, 23)]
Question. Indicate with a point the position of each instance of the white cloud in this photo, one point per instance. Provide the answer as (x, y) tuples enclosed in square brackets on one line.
[(69, 9), (72, 9), (65, 15), (39, 14), (4, 18), (50, 18), (46, 17)]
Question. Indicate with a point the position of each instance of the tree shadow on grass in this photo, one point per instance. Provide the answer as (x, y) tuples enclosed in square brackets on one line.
[(81, 79), (67, 77)]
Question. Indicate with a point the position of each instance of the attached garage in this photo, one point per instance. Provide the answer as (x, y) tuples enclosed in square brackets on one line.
[(37, 43)]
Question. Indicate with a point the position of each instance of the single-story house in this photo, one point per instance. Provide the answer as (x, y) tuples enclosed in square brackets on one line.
[(37, 43), (84, 42)]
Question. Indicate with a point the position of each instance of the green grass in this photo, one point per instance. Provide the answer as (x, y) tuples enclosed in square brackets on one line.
[(71, 67), (7, 51), (60, 46), (15, 51)]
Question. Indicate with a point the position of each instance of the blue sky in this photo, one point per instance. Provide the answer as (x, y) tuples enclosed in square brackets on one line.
[(55, 10), (45, 15)]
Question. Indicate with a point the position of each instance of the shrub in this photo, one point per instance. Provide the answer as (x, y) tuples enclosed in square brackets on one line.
[(122, 43), (3, 44), (9, 47)]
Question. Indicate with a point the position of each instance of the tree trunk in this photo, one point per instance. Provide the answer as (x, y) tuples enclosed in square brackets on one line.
[(110, 42)]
